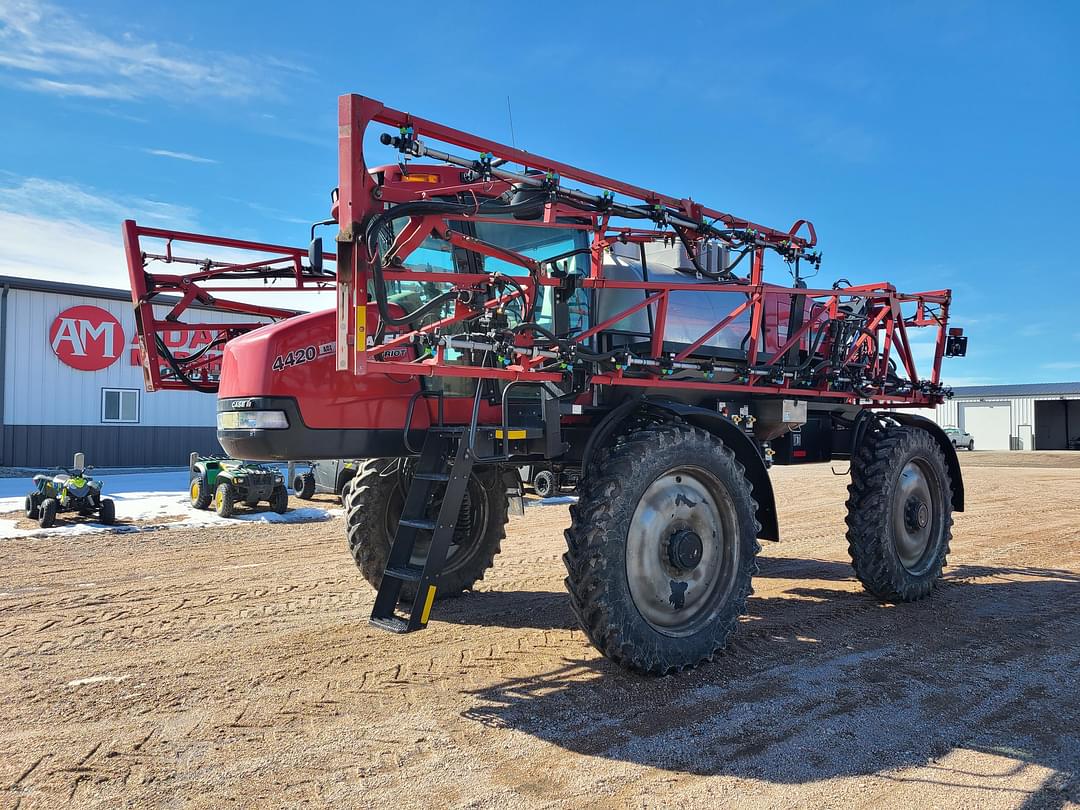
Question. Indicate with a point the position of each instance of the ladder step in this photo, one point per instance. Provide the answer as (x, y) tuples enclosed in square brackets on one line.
[(432, 476), (395, 624), (406, 573), (418, 523)]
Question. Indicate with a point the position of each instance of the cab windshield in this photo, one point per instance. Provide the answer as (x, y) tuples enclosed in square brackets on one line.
[(436, 255)]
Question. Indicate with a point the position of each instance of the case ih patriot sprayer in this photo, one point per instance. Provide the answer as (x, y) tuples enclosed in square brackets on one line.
[(495, 309)]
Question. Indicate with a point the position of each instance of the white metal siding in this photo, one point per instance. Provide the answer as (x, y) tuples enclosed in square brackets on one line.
[(1023, 411), (41, 390)]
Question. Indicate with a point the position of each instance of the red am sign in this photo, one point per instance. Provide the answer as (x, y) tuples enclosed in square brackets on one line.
[(86, 338)]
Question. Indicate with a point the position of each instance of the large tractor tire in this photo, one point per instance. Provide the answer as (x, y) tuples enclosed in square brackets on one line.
[(374, 499), (661, 548), (899, 513)]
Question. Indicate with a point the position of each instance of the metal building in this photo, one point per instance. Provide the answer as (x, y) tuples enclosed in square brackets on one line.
[(71, 380), (1040, 416)]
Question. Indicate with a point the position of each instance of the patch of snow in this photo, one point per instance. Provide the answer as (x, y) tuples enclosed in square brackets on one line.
[(554, 500), (98, 679)]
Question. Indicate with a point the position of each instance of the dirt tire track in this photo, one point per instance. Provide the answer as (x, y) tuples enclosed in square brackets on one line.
[(236, 666)]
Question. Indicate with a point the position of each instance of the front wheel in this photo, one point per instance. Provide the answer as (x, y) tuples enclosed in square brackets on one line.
[(279, 499), (107, 511), (374, 500), (47, 512), (225, 499), (899, 513), (971, 445), (30, 506), (661, 548)]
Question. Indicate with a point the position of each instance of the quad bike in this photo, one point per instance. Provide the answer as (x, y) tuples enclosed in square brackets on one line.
[(497, 309), (226, 482), (72, 490)]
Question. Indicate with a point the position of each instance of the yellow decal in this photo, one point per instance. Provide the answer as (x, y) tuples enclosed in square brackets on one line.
[(427, 604), (361, 329), (510, 434)]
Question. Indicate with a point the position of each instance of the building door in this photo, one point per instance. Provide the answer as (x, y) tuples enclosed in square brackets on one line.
[(989, 423), (1057, 424)]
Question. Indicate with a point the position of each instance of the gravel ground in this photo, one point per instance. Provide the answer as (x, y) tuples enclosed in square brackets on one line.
[(235, 668)]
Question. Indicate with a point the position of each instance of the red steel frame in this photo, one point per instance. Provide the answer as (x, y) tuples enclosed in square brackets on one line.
[(361, 196), (203, 286)]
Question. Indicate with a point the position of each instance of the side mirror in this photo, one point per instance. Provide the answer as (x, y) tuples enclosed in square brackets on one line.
[(315, 255)]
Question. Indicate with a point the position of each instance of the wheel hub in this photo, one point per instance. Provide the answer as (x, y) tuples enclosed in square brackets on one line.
[(913, 510), (681, 549), (685, 549), (916, 514)]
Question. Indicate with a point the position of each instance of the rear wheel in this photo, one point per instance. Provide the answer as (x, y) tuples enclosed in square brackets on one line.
[(107, 511), (544, 483), (47, 513), (200, 492), (304, 486), (899, 513), (225, 499), (661, 549), (374, 500)]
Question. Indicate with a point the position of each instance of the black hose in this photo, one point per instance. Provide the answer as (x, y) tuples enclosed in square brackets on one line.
[(181, 375)]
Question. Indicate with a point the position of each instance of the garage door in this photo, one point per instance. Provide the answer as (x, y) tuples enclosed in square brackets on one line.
[(990, 423)]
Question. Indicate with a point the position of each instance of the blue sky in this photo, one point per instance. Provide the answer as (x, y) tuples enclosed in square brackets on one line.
[(932, 144)]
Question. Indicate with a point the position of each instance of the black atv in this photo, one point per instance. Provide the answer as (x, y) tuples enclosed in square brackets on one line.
[(71, 490)]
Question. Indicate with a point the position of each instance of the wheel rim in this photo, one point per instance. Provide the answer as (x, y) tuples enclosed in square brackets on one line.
[(543, 484), (682, 551), (195, 490), (915, 515), (472, 523)]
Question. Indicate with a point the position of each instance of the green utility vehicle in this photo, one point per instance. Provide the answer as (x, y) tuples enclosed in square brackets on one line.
[(226, 482)]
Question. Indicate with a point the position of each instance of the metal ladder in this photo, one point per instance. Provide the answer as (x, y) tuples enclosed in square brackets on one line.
[(446, 458)]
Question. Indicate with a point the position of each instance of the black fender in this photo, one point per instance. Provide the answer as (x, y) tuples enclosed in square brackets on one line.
[(745, 451), (952, 461)]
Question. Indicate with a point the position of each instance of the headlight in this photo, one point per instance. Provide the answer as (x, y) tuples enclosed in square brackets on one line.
[(252, 420), (278, 479)]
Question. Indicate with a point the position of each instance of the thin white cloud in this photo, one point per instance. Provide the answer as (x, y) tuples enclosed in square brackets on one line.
[(1062, 365), (60, 231), (46, 49), (40, 197), (168, 153), (33, 247)]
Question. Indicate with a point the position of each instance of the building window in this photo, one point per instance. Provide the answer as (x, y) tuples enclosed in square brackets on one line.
[(119, 405)]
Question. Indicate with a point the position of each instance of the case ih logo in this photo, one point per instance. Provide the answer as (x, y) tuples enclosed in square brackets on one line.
[(86, 338)]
